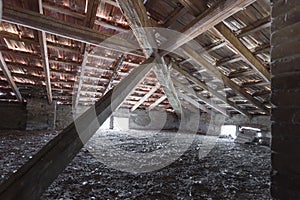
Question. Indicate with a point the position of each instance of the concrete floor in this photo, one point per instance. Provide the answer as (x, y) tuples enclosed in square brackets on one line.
[(210, 168)]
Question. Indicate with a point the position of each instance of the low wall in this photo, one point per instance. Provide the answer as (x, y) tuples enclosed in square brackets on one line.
[(13, 116)]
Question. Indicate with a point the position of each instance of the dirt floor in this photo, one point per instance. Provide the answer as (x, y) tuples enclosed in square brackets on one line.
[(228, 171)]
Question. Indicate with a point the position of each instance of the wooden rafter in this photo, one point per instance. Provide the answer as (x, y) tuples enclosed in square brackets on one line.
[(255, 27), (79, 33), (200, 97), (89, 23), (144, 98), (117, 66), (209, 89), (215, 72), (9, 78), (243, 51), (157, 102), (136, 15), (207, 20), (45, 59), (193, 102), (54, 157)]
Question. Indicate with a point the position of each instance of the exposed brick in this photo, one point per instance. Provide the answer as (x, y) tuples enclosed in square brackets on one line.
[(291, 16), (283, 50), (286, 98), (288, 146), (280, 7), (287, 34), (286, 65), (290, 132), (287, 81), (286, 115)]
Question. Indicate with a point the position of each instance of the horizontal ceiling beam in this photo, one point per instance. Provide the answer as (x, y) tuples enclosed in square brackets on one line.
[(79, 33)]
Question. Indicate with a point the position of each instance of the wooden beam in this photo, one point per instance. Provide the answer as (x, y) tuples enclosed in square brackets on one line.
[(240, 74), (207, 20), (45, 59), (79, 33), (255, 27), (243, 51), (136, 15), (200, 97), (89, 22), (9, 78), (137, 18), (209, 89), (215, 72), (229, 60), (194, 102), (176, 14), (41, 170), (144, 98), (157, 102), (117, 66), (65, 11)]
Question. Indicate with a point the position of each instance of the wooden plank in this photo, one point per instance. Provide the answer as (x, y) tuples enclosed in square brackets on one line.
[(243, 51), (89, 22), (79, 33), (207, 20), (137, 18), (9, 78), (144, 98), (38, 173), (117, 66), (193, 102), (255, 27), (157, 102), (200, 60), (45, 59), (65, 11), (176, 14), (209, 89), (200, 97), (136, 15)]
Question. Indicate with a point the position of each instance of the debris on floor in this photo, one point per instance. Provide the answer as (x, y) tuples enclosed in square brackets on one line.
[(228, 171)]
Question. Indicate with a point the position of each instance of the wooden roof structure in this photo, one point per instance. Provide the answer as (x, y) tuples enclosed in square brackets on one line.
[(52, 49)]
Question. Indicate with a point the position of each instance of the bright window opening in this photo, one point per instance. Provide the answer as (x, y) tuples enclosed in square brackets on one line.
[(229, 131)]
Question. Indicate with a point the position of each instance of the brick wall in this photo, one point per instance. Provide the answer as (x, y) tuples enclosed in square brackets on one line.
[(285, 83), (13, 116), (41, 115)]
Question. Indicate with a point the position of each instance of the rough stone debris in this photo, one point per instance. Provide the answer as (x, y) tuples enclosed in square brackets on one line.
[(229, 171)]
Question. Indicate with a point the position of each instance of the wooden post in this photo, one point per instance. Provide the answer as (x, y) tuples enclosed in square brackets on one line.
[(38, 173)]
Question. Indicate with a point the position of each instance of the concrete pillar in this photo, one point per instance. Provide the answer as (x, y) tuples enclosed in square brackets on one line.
[(285, 69)]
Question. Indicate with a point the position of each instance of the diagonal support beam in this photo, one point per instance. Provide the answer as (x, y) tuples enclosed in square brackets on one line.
[(144, 98), (117, 66), (38, 173), (157, 102), (200, 97), (136, 15), (196, 104), (207, 20), (9, 78), (209, 89), (200, 60), (243, 51)]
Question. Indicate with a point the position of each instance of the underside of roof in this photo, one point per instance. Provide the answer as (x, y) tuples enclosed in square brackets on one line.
[(75, 51)]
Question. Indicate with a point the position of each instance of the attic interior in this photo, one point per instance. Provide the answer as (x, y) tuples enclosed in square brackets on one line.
[(152, 99)]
